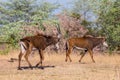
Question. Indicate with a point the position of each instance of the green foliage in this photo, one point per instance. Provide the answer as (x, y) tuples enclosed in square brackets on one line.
[(110, 23), (14, 10), (11, 33), (76, 15), (85, 23), (17, 13), (4, 51)]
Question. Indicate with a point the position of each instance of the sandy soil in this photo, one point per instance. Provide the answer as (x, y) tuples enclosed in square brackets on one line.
[(55, 68)]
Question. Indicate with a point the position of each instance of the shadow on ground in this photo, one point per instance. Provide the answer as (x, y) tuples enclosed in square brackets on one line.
[(34, 67)]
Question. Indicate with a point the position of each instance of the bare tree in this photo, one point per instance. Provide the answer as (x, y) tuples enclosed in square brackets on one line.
[(71, 25)]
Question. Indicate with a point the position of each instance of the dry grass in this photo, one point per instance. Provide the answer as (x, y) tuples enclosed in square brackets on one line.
[(105, 68)]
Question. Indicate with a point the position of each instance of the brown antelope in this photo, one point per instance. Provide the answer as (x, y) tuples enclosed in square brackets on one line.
[(86, 43), (39, 42)]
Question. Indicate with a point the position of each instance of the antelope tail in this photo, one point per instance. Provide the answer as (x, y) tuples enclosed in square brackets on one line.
[(23, 47)]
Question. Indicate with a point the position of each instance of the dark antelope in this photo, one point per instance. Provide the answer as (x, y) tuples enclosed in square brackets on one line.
[(39, 42), (86, 43)]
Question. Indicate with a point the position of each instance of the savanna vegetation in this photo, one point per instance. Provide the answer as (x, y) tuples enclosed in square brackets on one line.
[(19, 18)]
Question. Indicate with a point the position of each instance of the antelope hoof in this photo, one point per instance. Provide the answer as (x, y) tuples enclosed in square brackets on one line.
[(19, 68), (42, 67), (79, 60), (37, 65), (31, 68)]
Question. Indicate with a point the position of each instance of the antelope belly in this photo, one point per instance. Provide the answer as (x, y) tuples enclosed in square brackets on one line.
[(79, 48)]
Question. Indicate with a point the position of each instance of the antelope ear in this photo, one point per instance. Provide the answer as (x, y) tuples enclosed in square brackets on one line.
[(104, 38)]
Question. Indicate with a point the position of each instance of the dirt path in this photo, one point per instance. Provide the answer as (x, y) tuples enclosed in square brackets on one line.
[(55, 68)]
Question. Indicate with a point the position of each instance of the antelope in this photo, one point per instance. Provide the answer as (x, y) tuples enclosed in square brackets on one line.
[(30, 43), (86, 43)]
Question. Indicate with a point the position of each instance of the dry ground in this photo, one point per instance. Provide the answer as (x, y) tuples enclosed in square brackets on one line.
[(55, 68)]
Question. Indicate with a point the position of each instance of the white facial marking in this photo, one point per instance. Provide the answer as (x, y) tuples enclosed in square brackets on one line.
[(105, 44), (59, 36)]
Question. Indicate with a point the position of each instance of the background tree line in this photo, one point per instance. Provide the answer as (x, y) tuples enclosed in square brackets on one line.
[(25, 17)]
